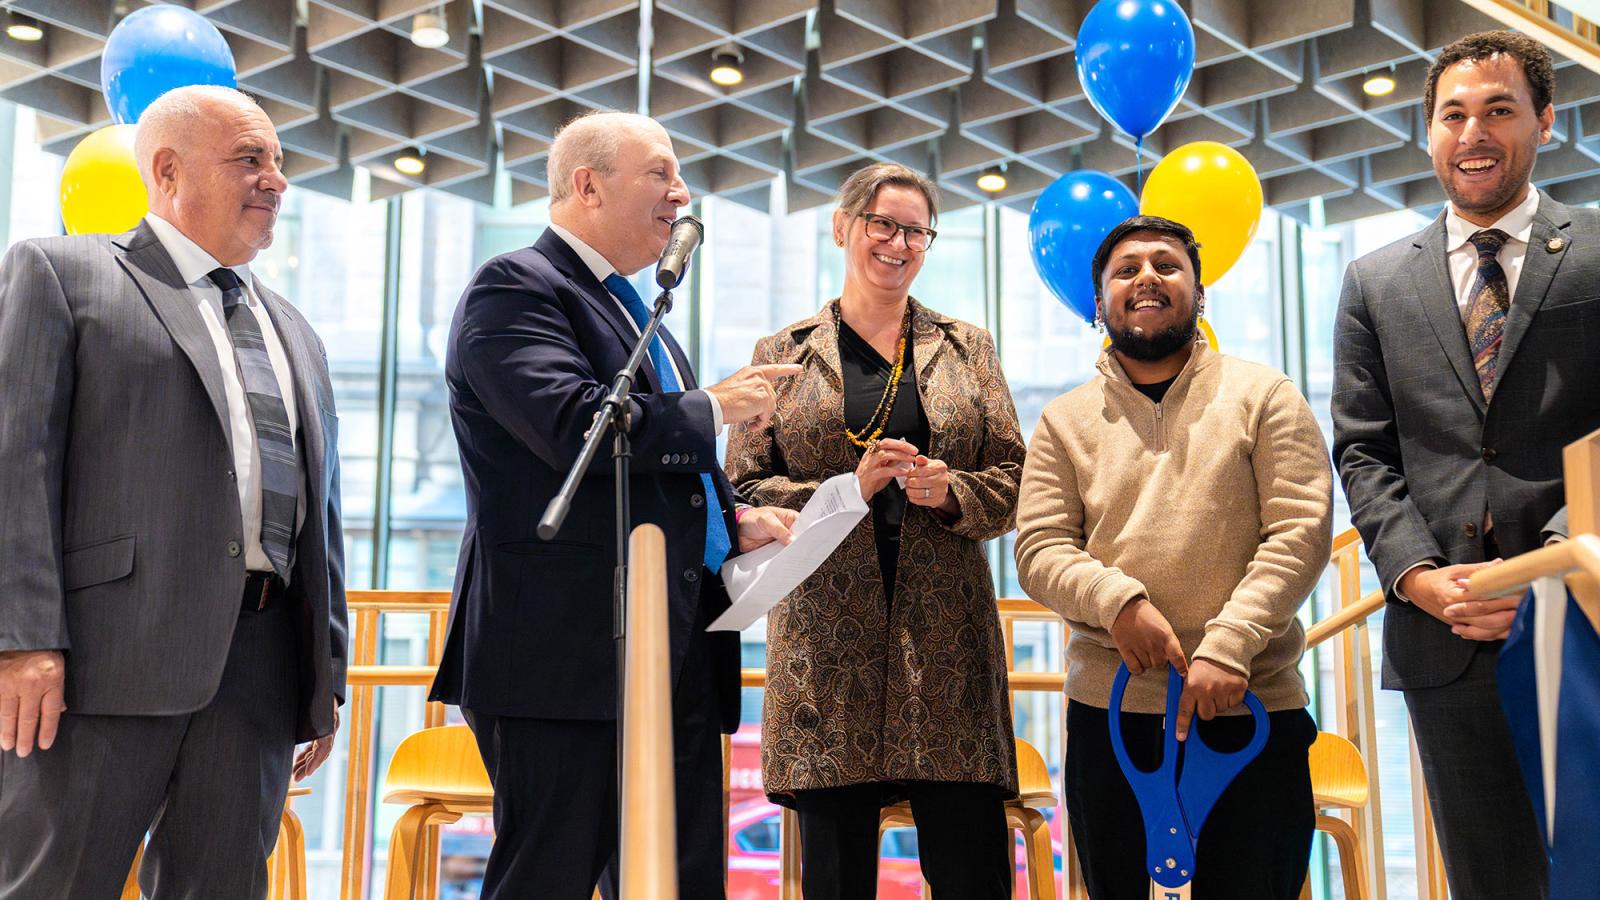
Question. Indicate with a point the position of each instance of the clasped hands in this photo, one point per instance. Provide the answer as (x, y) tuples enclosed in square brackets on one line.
[(1146, 642), (1443, 593), (927, 480)]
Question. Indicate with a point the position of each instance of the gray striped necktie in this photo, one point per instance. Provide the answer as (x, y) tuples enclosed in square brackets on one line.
[(280, 468)]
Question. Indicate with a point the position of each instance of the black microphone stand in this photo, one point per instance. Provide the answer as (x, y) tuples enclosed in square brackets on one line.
[(616, 416)]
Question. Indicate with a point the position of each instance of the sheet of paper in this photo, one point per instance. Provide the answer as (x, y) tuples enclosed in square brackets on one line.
[(757, 580)]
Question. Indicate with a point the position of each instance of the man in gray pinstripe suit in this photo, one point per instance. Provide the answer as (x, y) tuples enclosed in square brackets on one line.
[(171, 592), (1466, 358)]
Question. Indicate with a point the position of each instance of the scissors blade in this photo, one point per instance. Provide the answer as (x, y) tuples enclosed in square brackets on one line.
[(1159, 892)]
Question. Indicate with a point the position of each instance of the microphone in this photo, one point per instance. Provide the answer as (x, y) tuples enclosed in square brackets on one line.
[(687, 233)]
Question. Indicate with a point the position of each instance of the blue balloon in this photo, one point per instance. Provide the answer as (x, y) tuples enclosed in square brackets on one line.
[(1135, 59), (1069, 220), (156, 49)]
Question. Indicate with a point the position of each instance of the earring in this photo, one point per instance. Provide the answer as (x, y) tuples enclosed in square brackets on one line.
[(1099, 321)]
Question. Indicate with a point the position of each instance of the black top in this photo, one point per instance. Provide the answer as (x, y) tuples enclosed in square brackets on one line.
[(1157, 390), (866, 375)]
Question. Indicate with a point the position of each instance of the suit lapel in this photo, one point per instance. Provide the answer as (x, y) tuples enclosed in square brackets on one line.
[(156, 276), (303, 371), (567, 261), (1539, 267), (1438, 298)]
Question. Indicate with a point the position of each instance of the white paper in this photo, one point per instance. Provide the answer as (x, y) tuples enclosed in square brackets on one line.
[(757, 580)]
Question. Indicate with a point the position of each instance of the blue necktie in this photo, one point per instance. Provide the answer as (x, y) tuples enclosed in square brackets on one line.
[(717, 542)]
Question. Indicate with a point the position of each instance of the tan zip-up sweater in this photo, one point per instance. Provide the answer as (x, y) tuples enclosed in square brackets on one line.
[(1215, 503)]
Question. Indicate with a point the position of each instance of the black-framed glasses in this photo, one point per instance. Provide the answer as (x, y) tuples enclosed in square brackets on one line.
[(883, 228)]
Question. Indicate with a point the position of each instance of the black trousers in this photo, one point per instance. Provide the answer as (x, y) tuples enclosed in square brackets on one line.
[(555, 797), (963, 843), (1481, 809), (1255, 845)]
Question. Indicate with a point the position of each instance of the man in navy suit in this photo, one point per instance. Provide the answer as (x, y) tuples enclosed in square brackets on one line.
[(530, 658)]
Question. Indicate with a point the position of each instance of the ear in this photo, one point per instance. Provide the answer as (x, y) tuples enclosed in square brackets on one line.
[(164, 170), (1547, 121), (841, 227), (586, 186)]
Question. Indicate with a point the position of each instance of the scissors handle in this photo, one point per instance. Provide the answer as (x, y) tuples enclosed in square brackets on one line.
[(1168, 844)]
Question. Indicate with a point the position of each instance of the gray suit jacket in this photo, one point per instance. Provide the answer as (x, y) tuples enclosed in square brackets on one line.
[(120, 536), (1422, 456)]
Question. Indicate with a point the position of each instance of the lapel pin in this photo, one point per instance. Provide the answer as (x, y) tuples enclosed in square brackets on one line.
[(1554, 245)]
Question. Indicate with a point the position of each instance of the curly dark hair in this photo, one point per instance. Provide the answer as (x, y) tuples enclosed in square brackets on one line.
[(1165, 227), (1535, 59)]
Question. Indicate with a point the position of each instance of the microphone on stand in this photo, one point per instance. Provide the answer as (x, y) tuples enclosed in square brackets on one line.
[(687, 233)]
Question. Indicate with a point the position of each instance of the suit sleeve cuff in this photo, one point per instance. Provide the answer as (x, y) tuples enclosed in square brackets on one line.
[(716, 414)]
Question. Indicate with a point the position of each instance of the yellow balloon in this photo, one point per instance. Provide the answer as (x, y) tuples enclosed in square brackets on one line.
[(1212, 189), (101, 192)]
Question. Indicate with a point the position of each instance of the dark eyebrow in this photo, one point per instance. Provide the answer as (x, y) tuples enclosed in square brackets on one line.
[(1497, 98), (254, 149)]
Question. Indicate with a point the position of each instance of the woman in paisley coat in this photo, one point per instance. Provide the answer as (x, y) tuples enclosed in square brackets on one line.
[(886, 668)]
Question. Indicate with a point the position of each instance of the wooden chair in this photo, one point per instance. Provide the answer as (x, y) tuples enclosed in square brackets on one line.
[(1035, 793), (286, 868), (1339, 781), (438, 772)]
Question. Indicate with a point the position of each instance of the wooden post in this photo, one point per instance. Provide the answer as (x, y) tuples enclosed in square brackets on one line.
[(649, 831)]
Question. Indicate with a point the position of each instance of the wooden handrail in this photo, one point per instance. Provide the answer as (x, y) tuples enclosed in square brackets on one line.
[(1343, 619), (649, 843)]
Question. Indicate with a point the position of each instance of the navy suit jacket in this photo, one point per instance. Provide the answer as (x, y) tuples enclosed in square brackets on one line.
[(533, 347)]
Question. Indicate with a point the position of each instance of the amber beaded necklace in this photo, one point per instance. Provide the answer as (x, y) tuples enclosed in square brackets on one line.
[(868, 438)]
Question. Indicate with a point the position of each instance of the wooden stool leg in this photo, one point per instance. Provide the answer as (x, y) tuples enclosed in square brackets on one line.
[(1351, 865), (130, 888), (292, 844), (789, 855), (1041, 858), (405, 845), (1305, 889)]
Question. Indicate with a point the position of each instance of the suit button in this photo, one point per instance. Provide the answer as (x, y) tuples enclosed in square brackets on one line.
[(677, 459), (233, 548), (232, 475), (697, 501), (1489, 454), (1469, 529), (666, 459), (690, 574), (694, 459)]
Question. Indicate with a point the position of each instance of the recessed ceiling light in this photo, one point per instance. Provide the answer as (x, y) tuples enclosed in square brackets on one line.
[(428, 29), (727, 65), (24, 28), (411, 162), (992, 180), (1378, 85)]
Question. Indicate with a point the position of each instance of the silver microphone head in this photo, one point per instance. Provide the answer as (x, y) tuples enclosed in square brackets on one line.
[(687, 233)]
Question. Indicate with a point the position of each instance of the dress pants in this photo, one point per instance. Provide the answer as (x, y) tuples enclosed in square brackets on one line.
[(1481, 809), (208, 786), (1255, 844), (963, 844), (555, 796)]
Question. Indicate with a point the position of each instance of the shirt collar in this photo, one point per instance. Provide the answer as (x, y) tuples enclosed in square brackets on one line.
[(1517, 223), (590, 256), (194, 263)]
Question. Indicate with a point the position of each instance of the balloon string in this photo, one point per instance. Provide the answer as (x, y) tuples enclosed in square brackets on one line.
[(1138, 163)]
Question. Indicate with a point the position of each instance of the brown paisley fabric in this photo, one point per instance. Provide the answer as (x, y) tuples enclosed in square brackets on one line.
[(857, 691)]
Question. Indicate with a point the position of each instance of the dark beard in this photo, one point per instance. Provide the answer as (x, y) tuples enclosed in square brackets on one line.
[(1159, 346)]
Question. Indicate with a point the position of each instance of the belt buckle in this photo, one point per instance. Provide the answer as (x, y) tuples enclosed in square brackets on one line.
[(266, 585)]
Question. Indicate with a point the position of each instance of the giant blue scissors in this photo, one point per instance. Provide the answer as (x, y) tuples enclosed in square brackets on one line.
[(1175, 803)]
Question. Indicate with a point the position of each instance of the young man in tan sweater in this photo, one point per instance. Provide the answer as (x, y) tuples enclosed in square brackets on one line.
[(1176, 509)]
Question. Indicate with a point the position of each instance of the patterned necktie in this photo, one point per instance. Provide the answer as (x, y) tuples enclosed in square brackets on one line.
[(717, 542), (1486, 308), (280, 468)]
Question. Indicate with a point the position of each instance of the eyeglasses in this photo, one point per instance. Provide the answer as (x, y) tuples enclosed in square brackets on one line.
[(883, 228)]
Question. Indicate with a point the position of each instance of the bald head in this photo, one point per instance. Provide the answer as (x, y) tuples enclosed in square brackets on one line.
[(213, 168), (592, 141)]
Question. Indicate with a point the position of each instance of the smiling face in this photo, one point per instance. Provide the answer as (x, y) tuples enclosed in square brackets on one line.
[(224, 187), (1149, 299), (639, 200), (883, 267), (1484, 136)]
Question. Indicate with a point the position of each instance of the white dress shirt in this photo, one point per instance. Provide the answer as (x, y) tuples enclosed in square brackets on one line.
[(603, 269), (194, 267), (1463, 257)]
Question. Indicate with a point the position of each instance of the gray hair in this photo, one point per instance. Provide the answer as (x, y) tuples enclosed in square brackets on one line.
[(862, 186), (590, 141), (175, 113)]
